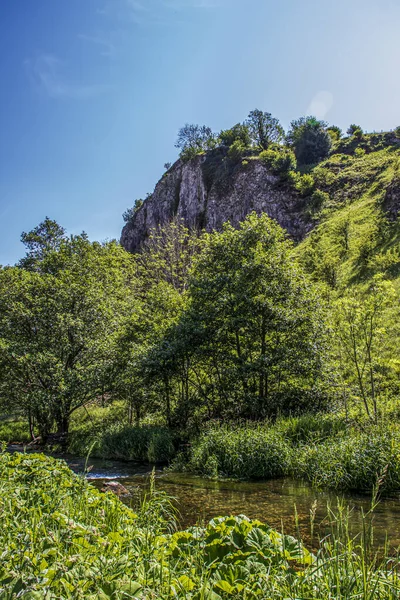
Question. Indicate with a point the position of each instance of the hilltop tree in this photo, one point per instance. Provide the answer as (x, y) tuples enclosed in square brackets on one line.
[(264, 129), (310, 140), (193, 139), (238, 133)]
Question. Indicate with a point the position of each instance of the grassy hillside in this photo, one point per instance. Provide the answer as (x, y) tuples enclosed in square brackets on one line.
[(357, 233)]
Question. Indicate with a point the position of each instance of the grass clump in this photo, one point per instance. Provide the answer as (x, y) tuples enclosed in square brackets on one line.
[(61, 538), (328, 450), (247, 452), (148, 443), (353, 462)]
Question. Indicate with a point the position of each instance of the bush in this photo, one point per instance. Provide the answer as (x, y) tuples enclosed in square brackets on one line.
[(335, 133), (279, 162), (318, 199), (397, 132), (310, 140), (238, 132), (236, 151), (149, 443), (359, 152), (13, 430), (354, 130), (305, 185)]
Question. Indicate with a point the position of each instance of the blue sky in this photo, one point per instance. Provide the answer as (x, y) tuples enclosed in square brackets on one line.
[(94, 91)]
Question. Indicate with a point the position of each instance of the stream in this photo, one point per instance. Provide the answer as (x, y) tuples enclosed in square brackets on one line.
[(274, 502)]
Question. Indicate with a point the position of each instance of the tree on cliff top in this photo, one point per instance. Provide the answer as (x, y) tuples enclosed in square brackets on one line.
[(310, 140), (264, 129), (193, 139)]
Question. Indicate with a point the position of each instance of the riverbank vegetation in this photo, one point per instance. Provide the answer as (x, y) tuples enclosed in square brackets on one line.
[(61, 538), (146, 355)]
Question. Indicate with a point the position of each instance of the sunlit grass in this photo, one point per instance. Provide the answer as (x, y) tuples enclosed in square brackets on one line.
[(61, 538)]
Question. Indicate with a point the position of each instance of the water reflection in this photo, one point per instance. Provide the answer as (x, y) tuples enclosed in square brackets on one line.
[(275, 502)]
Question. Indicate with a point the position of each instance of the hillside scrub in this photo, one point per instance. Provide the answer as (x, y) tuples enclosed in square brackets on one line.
[(75, 542)]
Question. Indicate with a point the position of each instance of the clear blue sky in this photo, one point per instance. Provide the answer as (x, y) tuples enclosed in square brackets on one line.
[(93, 92)]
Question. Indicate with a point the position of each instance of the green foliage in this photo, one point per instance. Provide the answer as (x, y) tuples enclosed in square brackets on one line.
[(279, 161), (61, 538), (254, 316), (264, 129), (353, 462), (147, 443), (317, 200), (48, 236), (130, 212), (58, 327), (253, 452), (14, 430), (236, 151), (360, 327), (397, 132), (304, 184), (355, 130), (327, 450), (238, 133), (194, 139), (310, 140), (335, 133)]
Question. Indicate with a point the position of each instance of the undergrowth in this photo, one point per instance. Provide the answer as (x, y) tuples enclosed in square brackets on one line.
[(61, 538)]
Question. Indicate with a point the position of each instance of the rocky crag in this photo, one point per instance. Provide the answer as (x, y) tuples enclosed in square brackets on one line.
[(207, 191)]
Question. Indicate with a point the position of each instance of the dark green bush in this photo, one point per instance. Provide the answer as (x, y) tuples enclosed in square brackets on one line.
[(278, 161)]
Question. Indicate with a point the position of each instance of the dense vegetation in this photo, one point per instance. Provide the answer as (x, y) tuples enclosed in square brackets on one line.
[(61, 538), (139, 352)]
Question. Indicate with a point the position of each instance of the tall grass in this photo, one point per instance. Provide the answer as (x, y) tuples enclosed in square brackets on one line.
[(14, 430), (324, 450), (61, 538), (150, 443)]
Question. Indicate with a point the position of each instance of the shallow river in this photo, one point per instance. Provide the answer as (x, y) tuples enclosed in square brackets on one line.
[(274, 502)]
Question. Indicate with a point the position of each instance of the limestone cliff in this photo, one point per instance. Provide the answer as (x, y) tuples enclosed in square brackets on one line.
[(207, 191)]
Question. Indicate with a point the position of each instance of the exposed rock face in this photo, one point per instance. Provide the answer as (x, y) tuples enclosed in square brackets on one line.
[(392, 199), (187, 193)]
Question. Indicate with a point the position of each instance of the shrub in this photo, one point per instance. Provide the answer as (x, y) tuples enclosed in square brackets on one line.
[(335, 133), (354, 462), (238, 132), (236, 151), (150, 443), (130, 212), (318, 199), (354, 130), (13, 430), (279, 162), (305, 185), (310, 140), (359, 152)]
